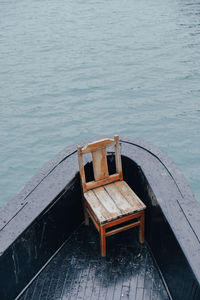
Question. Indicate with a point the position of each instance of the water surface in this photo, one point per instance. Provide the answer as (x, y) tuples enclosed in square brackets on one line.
[(76, 69)]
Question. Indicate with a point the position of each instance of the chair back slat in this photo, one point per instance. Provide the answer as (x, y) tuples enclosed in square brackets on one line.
[(93, 184), (100, 166)]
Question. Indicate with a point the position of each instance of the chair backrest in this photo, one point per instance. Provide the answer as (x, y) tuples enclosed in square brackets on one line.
[(100, 166)]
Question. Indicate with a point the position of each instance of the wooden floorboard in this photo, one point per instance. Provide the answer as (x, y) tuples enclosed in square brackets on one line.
[(79, 272)]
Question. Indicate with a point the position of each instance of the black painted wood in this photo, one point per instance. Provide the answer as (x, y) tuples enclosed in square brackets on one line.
[(43, 235), (79, 272)]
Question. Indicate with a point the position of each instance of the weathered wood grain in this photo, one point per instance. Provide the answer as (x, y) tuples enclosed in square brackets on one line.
[(107, 202), (129, 195), (100, 165), (118, 198), (100, 211), (93, 184), (81, 168), (113, 201), (98, 144), (118, 160)]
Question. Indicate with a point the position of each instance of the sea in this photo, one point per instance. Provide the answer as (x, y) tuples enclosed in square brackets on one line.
[(75, 69)]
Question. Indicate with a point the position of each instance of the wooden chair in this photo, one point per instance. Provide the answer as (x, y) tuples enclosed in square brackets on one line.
[(108, 200)]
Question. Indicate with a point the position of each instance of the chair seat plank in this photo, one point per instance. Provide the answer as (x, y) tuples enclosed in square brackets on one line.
[(124, 206), (107, 201), (113, 201), (101, 213), (130, 196)]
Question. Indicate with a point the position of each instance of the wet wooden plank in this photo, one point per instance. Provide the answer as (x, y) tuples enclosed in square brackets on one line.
[(44, 291), (61, 276), (53, 282), (139, 294), (105, 283), (83, 283), (133, 284), (31, 290), (125, 292), (111, 279), (90, 282), (78, 271), (69, 277), (99, 275)]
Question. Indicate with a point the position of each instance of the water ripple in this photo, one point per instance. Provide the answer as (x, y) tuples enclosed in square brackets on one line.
[(71, 69)]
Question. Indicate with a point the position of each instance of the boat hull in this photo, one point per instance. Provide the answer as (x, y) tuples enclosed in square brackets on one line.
[(36, 223)]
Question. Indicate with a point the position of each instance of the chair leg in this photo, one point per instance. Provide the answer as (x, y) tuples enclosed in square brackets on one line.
[(86, 217), (141, 231), (102, 241)]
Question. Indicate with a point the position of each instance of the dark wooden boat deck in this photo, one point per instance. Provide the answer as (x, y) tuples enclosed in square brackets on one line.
[(78, 271)]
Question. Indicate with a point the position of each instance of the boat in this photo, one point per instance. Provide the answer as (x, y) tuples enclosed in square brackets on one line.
[(46, 251)]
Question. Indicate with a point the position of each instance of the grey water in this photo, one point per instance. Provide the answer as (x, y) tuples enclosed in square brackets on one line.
[(75, 69)]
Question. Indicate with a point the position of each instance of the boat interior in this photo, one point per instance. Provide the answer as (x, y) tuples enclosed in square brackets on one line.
[(78, 271), (47, 252)]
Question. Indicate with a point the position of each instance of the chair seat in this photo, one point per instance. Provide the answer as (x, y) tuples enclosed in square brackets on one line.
[(113, 201)]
